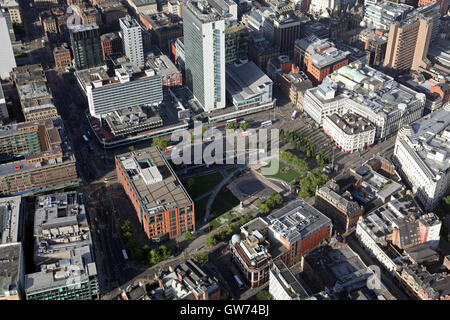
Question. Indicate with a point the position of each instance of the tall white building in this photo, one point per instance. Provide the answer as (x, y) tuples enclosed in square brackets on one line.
[(7, 60), (204, 47), (422, 152), (132, 40)]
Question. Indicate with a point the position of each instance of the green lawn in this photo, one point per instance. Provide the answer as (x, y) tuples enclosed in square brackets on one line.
[(287, 176), (224, 202), (220, 220), (200, 185), (200, 208)]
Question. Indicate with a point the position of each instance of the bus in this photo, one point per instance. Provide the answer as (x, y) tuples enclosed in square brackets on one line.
[(85, 138), (266, 124), (124, 252), (232, 120), (239, 282)]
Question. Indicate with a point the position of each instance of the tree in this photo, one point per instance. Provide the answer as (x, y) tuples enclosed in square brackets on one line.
[(281, 134), (211, 241), (276, 198), (159, 142), (230, 125), (188, 236), (263, 208), (270, 203), (309, 183), (243, 126), (264, 295), (201, 258), (248, 217)]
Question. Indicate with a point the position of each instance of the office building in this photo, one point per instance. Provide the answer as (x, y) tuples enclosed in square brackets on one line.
[(261, 50), (112, 11), (130, 87), (34, 94), (48, 162), (13, 8), (111, 43), (389, 228), (12, 276), (228, 8), (366, 92), (236, 41), (140, 6), (86, 48), (11, 219), (251, 253), (63, 252), (294, 85), (163, 27), (422, 154), (186, 281), (435, 91), (62, 57), (296, 229), (247, 86), (132, 40), (286, 29), (340, 271), (319, 57), (170, 75), (335, 200), (423, 285), (72, 278), (443, 5), (174, 8), (162, 205), (204, 45), (384, 13), (409, 39), (46, 4), (283, 285), (91, 15), (350, 132), (6, 50)]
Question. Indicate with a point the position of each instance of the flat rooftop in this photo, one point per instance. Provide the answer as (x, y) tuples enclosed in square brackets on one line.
[(56, 275), (10, 211), (153, 180), (244, 80), (82, 27), (297, 220), (203, 11), (429, 141), (351, 123), (287, 279), (57, 142), (10, 266)]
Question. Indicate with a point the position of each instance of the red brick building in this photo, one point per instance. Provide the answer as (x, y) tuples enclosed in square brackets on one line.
[(111, 43), (295, 230), (423, 285), (62, 57), (162, 205)]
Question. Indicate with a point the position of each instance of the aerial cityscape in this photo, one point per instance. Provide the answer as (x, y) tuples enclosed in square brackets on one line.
[(224, 150)]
